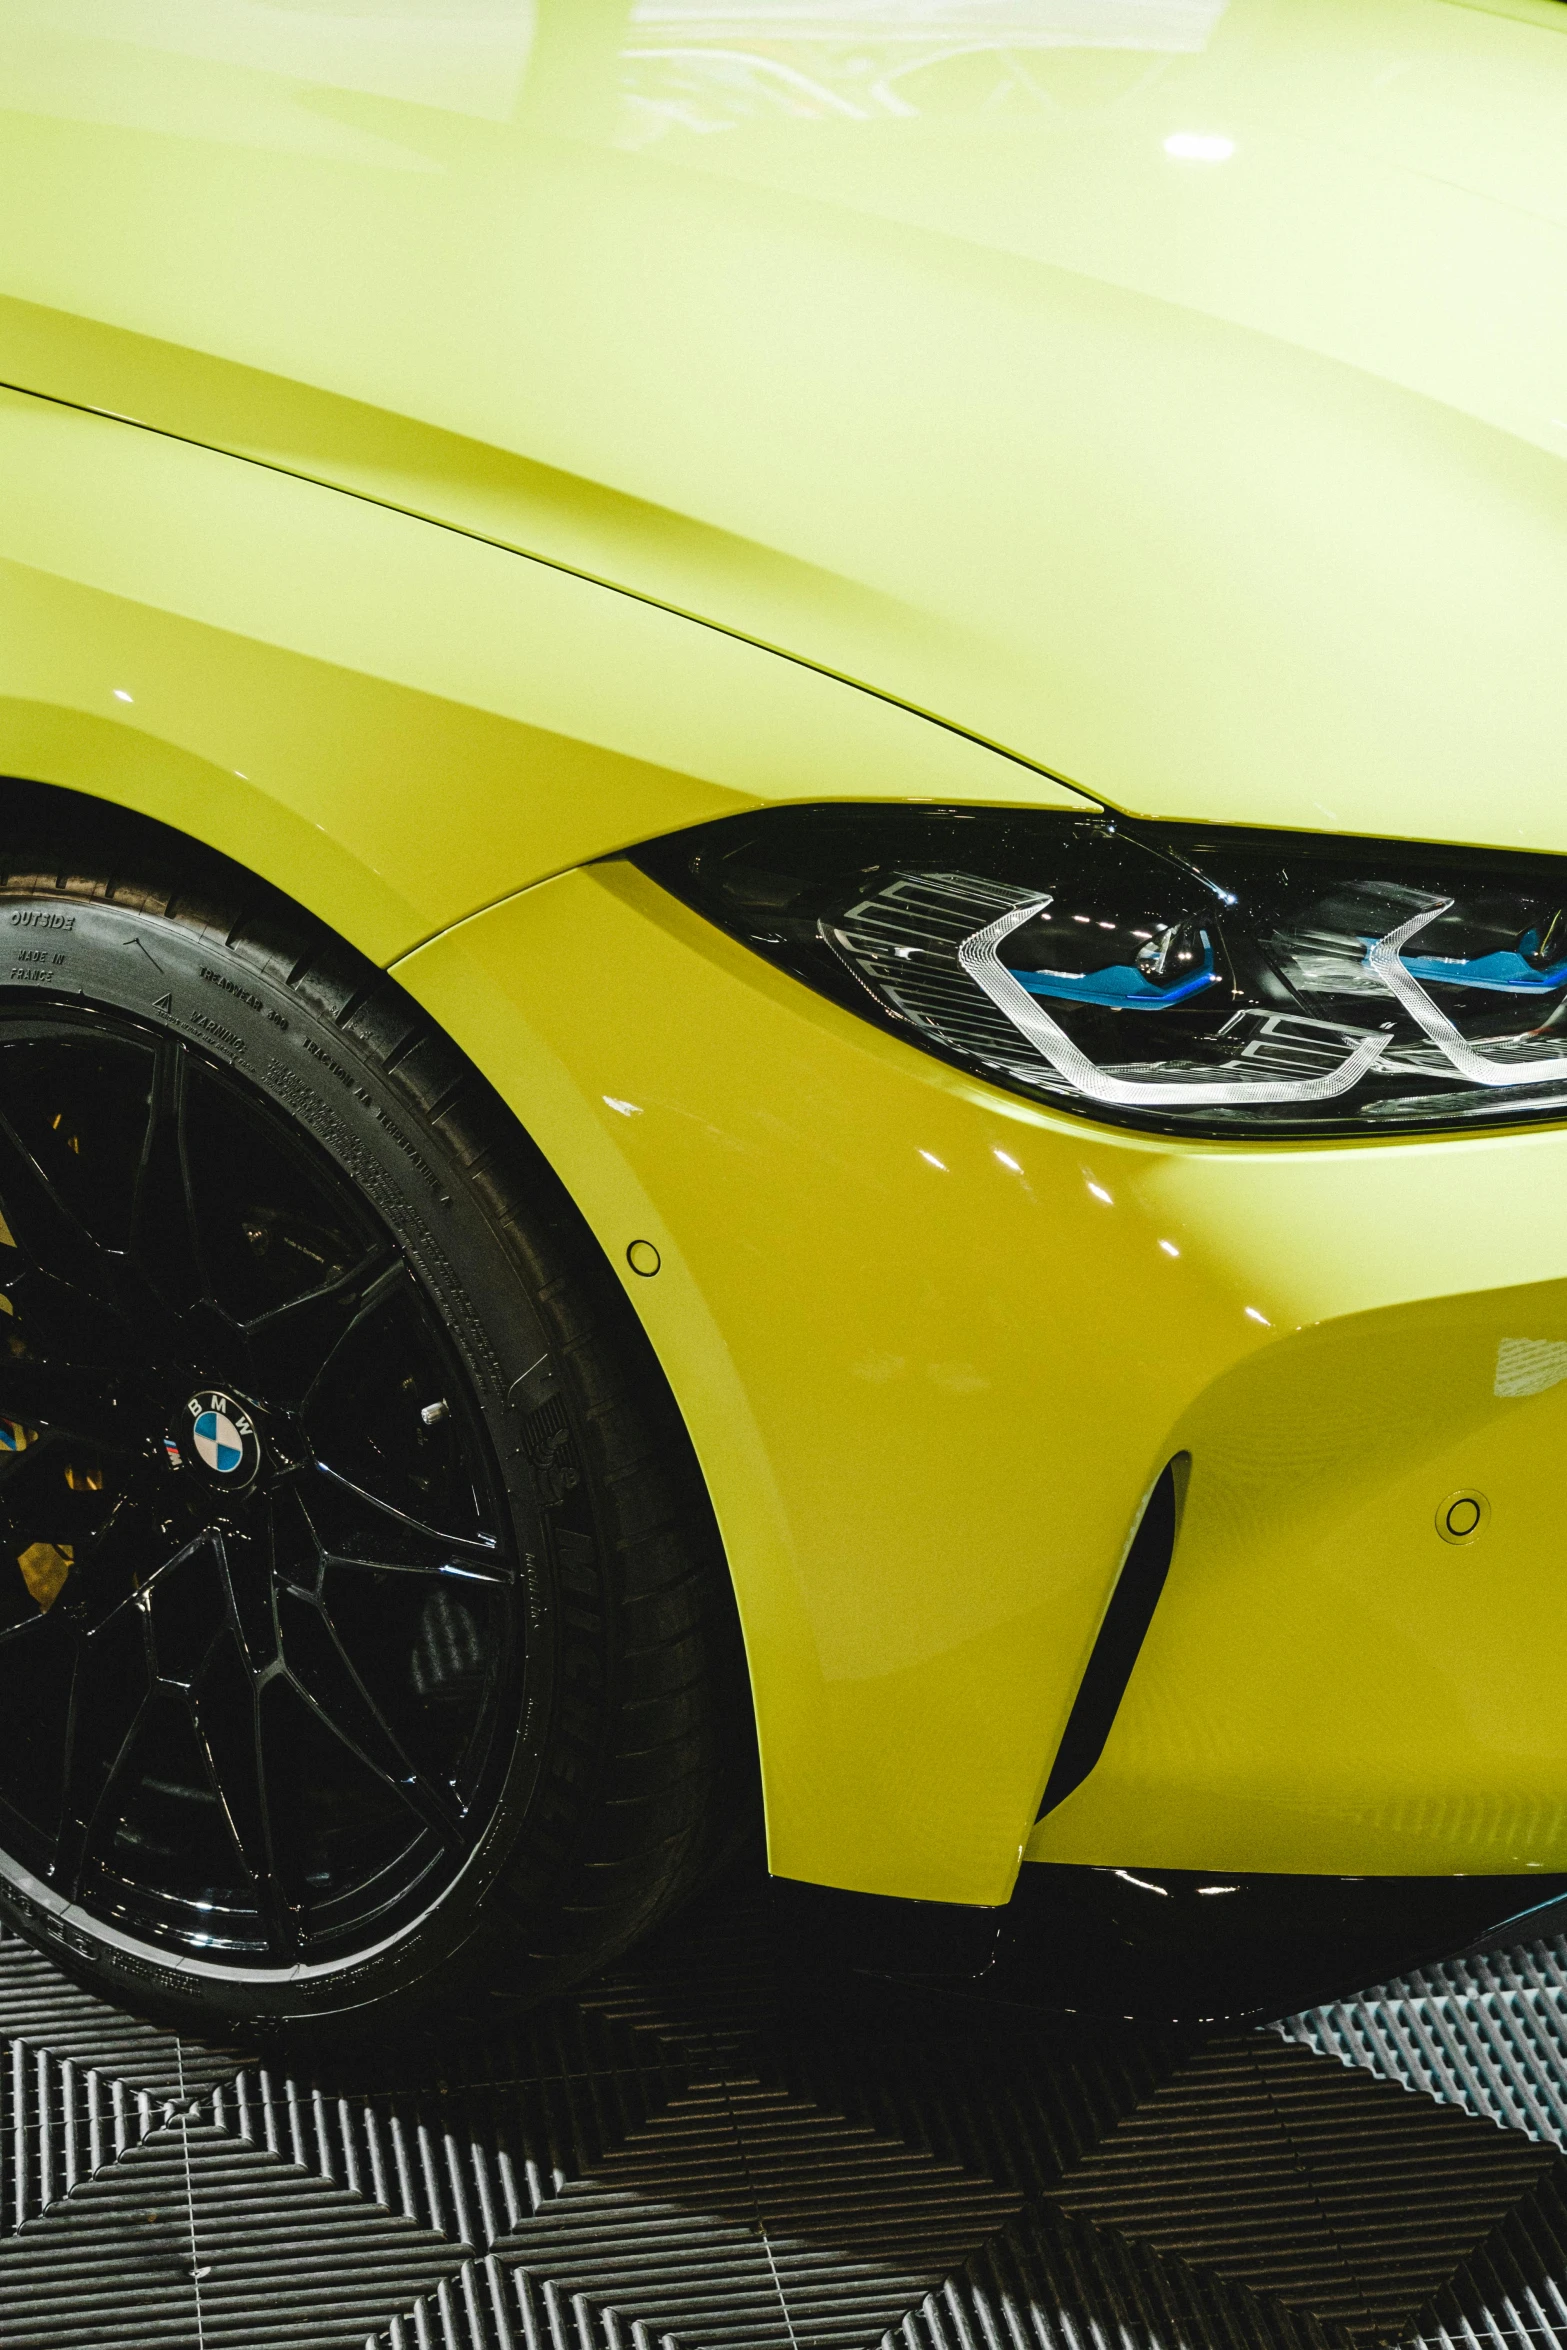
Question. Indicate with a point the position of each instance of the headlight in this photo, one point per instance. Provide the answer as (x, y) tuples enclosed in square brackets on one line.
[(1187, 979)]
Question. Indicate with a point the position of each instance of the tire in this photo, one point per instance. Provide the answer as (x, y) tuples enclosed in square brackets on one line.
[(365, 1641)]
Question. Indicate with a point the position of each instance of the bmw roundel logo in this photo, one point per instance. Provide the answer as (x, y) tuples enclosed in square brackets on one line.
[(223, 1437)]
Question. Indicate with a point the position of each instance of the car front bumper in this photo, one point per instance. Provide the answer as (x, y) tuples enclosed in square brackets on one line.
[(934, 1344)]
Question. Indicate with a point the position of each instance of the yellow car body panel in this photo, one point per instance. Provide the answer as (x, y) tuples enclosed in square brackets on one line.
[(394, 723), (1228, 488), (933, 1349), (441, 452)]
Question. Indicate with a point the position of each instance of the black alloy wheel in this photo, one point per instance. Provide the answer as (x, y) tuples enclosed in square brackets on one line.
[(362, 1636), (264, 1618)]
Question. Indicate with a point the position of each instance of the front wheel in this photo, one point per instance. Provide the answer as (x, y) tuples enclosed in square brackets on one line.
[(363, 1640)]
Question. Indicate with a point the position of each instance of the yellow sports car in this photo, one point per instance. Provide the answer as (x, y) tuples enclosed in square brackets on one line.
[(785, 925)]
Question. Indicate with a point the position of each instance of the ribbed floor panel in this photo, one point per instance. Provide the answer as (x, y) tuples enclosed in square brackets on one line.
[(1328, 2189), (704, 2152), (191, 2218)]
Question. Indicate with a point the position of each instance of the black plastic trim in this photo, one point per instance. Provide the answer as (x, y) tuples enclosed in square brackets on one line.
[(1121, 1636), (1174, 1945)]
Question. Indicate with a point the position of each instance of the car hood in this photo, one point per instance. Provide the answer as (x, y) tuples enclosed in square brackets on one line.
[(1171, 392)]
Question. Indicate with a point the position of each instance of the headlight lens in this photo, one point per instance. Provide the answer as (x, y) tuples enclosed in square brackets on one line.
[(1185, 979)]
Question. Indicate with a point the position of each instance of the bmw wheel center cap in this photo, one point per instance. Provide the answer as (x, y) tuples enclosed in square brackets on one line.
[(218, 1437)]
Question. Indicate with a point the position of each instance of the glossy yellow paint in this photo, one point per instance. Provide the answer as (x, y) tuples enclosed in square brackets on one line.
[(1331, 1684), (394, 723), (933, 1347), (422, 470), (1226, 482)]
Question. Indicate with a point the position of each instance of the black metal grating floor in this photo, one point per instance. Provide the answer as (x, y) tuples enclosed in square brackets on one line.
[(705, 2150)]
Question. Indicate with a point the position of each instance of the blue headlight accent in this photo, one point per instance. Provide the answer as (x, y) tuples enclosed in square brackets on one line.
[(1120, 987), (1505, 973)]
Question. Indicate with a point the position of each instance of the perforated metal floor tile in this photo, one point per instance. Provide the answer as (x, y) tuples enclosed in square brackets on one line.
[(705, 2150)]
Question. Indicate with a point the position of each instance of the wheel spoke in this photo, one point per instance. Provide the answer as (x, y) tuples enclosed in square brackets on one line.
[(64, 1399), (109, 1697), (246, 1554), (295, 1345), (163, 1229), (477, 1547), (113, 1576), (227, 1715), (315, 1552), (320, 1669), (40, 1223), (380, 1280), (444, 1570), (360, 1289)]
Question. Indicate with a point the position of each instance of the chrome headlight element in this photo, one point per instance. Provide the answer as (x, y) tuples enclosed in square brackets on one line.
[(1164, 975)]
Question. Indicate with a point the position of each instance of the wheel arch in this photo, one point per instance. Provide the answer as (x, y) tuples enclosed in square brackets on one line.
[(89, 769), (45, 815)]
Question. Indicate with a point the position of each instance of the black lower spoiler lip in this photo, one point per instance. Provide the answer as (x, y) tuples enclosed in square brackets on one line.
[(1173, 1945)]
